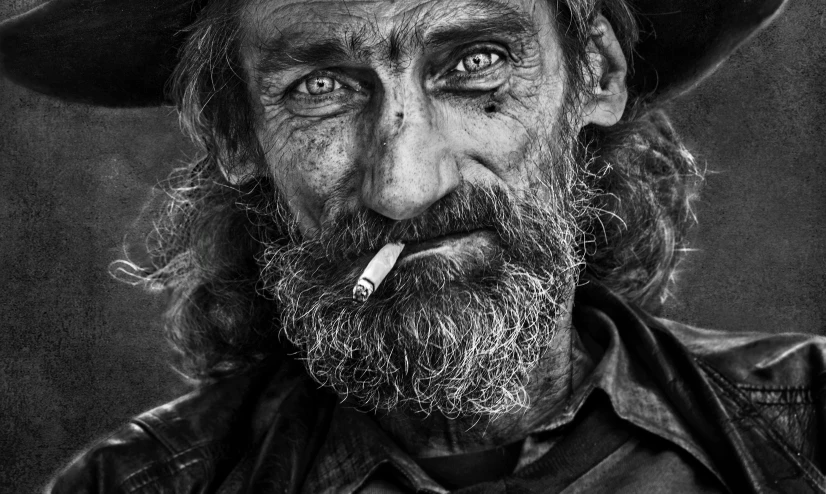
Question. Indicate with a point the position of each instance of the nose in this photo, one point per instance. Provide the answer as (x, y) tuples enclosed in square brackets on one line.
[(409, 164)]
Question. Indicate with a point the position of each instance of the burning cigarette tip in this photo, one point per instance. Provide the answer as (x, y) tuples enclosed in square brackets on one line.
[(363, 289)]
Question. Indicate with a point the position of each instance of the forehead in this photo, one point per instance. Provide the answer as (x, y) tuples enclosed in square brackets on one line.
[(389, 21)]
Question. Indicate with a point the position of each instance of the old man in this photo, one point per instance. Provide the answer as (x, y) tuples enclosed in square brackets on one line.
[(498, 174)]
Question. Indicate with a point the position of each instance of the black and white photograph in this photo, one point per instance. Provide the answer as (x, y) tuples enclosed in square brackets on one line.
[(412, 246)]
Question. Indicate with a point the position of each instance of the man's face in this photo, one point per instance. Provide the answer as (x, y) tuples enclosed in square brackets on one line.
[(441, 124), (392, 105)]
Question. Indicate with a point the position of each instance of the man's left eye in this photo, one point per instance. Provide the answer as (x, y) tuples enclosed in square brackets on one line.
[(476, 62), (318, 85)]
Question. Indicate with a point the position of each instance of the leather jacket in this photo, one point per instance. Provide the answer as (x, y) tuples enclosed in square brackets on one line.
[(754, 403)]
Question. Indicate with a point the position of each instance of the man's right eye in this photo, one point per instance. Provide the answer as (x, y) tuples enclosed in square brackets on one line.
[(318, 85), (477, 62), (327, 93)]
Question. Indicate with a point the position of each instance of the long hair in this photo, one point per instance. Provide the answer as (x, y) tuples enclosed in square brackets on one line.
[(205, 245)]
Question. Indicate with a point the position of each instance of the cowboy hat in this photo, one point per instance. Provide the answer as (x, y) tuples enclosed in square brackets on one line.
[(121, 52)]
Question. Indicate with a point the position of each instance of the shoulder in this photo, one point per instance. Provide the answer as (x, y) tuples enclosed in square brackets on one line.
[(129, 460), (182, 446), (759, 360)]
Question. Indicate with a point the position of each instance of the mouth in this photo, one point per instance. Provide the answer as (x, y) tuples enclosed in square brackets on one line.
[(475, 240)]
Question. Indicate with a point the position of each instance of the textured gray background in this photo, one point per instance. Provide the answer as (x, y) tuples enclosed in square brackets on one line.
[(80, 352)]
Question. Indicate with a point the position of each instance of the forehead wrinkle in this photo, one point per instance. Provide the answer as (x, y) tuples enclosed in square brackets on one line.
[(400, 40), (489, 17), (288, 51), (411, 30), (493, 17)]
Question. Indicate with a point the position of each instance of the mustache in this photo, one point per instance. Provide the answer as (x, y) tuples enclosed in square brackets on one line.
[(471, 207)]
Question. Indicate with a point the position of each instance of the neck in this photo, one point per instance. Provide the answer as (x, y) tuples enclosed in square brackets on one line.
[(552, 383)]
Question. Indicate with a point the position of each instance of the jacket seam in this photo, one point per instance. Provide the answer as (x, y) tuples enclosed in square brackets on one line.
[(166, 462), (802, 395), (151, 429), (754, 387), (781, 404), (153, 480)]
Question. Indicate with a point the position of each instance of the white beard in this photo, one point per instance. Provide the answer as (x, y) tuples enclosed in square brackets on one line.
[(458, 336)]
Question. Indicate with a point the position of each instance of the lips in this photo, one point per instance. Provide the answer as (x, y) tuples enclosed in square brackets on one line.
[(414, 248)]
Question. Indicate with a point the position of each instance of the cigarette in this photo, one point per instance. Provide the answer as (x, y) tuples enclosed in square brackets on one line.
[(376, 271)]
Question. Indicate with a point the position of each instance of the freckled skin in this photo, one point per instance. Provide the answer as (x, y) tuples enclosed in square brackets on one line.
[(399, 166)]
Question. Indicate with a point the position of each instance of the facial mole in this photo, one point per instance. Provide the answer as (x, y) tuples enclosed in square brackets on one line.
[(490, 108), (400, 115)]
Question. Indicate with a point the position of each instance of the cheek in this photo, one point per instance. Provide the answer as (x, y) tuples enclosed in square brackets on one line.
[(521, 129), (309, 164), (512, 135)]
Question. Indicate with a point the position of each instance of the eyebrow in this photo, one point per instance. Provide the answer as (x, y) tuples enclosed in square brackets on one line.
[(499, 20), (281, 55), (292, 50)]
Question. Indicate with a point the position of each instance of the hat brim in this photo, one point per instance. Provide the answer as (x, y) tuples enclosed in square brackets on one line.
[(120, 53), (684, 41), (110, 53)]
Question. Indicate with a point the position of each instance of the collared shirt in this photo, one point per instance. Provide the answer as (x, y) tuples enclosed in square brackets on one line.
[(358, 457)]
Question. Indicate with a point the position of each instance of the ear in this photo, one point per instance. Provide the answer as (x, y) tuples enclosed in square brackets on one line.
[(241, 167), (605, 93), (240, 173)]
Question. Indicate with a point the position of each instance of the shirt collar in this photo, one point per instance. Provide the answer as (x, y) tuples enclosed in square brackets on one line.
[(356, 447)]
